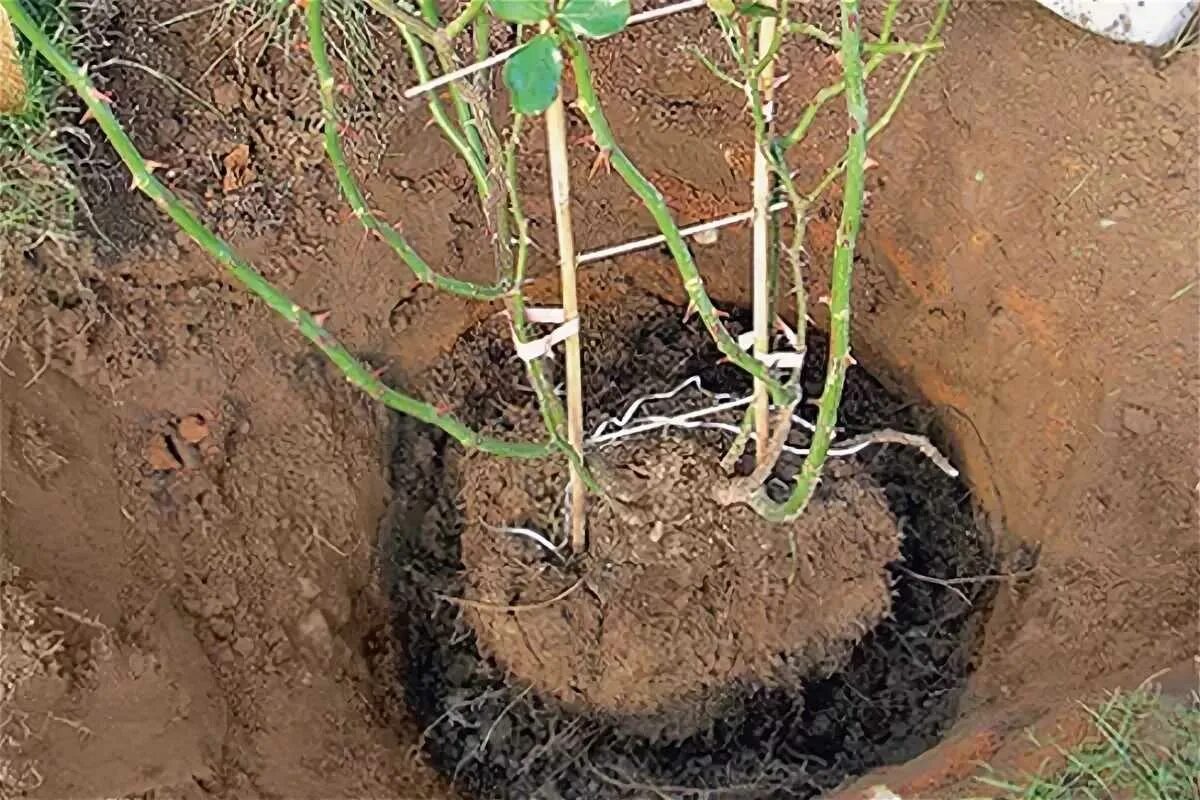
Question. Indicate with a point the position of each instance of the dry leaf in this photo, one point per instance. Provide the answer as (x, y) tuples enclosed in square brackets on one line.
[(238, 172), (193, 429), (12, 78)]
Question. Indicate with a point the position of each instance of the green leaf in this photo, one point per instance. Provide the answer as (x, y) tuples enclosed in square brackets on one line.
[(722, 8), (523, 12), (595, 18), (757, 10), (532, 74)]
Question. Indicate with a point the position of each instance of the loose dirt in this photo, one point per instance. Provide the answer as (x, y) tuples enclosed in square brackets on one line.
[(677, 596), (1027, 271)]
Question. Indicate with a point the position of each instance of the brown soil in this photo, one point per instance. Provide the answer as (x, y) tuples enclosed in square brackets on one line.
[(1028, 270), (678, 596)]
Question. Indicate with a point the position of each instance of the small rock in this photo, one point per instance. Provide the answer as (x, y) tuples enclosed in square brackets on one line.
[(244, 646), (221, 628), (1139, 420), (711, 236), (226, 95), (308, 588), (1171, 138), (313, 636)]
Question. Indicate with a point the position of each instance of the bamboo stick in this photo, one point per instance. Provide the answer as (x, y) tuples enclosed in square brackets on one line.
[(761, 231), (560, 187)]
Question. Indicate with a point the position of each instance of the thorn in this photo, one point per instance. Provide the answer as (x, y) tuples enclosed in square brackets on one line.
[(851, 360), (602, 156), (780, 80), (101, 97), (321, 317), (823, 299), (869, 163), (603, 160), (344, 88), (136, 183), (691, 309)]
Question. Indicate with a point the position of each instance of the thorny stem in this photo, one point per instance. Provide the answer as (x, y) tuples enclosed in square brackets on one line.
[(356, 373), (437, 109), (408, 21), (830, 92), (839, 295), (589, 104), (445, 54), (350, 188), (885, 118), (468, 15), (553, 414)]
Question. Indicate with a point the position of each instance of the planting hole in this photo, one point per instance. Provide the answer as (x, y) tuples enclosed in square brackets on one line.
[(688, 651)]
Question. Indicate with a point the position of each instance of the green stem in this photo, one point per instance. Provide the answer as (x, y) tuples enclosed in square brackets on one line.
[(839, 295), (355, 371), (883, 48), (553, 413), (408, 21), (437, 110), (886, 118), (468, 15), (445, 54), (350, 188), (589, 104)]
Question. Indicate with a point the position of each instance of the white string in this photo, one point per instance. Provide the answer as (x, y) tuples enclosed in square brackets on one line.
[(651, 241), (528, 533), (623, 420)]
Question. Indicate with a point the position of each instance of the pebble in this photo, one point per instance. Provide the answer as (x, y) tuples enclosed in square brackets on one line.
[(1139, 420), (244, 646), (313, 636)]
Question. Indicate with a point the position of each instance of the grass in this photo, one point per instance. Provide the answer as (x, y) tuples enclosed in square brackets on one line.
[(1187, 40), (353, 35), (38, 191), (1143, 749)]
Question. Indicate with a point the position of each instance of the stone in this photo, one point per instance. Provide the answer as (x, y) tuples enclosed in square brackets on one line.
[(1138, 420)]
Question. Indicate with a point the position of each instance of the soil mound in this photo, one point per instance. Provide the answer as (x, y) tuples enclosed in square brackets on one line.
[(677, 598)]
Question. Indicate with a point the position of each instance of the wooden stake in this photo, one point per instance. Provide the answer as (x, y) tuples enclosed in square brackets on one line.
[(762, 238), (560, 188)]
